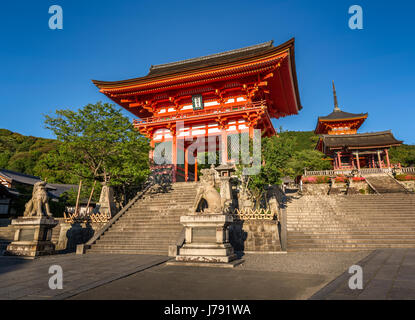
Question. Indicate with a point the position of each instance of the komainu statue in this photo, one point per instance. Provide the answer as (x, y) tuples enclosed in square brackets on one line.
[(207, 192), (38, 206)]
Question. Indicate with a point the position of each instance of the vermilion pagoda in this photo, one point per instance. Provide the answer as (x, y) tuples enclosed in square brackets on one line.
[(348, 149), (218, 96)]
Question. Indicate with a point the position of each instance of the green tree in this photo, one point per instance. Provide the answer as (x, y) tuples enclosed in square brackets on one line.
[(308, 159), (404, 154), (281, 156), (97, 142)]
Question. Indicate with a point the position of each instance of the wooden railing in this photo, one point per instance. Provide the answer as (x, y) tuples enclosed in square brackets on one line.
[(205, 112), (90, 217)]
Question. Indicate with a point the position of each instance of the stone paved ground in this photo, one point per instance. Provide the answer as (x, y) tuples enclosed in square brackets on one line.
[(28, 279), (262, 276), (329, 263), (387, 274)]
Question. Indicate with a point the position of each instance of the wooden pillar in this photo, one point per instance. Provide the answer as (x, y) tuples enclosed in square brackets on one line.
[(339, 160), (357, 160), (186, 164), (387, 158), (379, 160), (196, 168), (224, 148), (174, 154), (151, 152)]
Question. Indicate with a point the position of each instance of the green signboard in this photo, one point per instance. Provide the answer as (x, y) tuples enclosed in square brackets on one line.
[(197, 102)]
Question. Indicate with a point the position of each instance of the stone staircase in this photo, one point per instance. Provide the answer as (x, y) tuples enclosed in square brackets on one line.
[(351, 223), (150, 225), (385, 184)]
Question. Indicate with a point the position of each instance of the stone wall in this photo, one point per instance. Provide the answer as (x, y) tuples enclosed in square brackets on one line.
[(409, 185), (321, 189), (358, 187), (67, 236), (312, 189), (255, 236)]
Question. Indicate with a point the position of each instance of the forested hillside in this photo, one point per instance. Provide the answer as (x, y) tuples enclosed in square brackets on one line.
[(23, 153)]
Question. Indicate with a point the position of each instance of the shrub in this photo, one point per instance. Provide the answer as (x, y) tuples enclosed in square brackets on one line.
[(316, 179), (405, 177), (358, 179), (341, 179)]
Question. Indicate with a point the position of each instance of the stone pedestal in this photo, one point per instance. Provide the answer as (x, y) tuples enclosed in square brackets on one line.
[(32, 237), (206, 240)]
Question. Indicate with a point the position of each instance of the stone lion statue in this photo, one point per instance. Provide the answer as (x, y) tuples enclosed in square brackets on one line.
[(208, 192), (38, 206)]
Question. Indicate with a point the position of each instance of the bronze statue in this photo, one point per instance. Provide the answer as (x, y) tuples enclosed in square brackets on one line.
[(38, 206)]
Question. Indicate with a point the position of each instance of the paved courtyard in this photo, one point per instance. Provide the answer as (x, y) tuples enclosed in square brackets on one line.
[(387, 274), (29, 279)]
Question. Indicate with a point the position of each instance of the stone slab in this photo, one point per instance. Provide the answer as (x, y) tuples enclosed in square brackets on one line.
[(231, 264)]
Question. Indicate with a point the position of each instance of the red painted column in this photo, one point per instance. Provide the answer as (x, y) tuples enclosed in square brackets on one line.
[(358, 160), (387, 158), (224, 146), (186, 165), (339, 161), (174, 154)]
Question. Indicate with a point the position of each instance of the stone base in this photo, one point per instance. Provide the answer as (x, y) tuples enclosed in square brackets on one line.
[(30, 249), (199, 252), (32, 237), (206, 240)]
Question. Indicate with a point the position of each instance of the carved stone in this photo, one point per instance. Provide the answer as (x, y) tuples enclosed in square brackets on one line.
[(38, 206), (106, 204), (33, 231), (207, 192), (32, 237), (206, 241)]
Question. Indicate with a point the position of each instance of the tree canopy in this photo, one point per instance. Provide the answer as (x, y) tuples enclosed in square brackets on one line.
[(97, 142)]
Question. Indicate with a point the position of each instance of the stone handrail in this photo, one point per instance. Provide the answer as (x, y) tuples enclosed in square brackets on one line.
[(372, 187), (408, 170), (101, 231), (281, 198)]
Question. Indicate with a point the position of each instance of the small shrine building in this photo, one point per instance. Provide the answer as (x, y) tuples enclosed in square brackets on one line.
[(348, 149), (216, 96)]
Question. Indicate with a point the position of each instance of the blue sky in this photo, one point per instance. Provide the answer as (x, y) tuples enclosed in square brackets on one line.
[(42, 70)]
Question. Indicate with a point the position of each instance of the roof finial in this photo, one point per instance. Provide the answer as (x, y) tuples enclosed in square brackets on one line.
[(336, 106)]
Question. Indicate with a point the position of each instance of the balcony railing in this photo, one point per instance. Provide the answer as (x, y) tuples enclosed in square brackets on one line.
[(205, 112), (361, 171)]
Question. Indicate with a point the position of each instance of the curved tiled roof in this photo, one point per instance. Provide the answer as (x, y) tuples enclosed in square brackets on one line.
[(341, 115), (359, 140)]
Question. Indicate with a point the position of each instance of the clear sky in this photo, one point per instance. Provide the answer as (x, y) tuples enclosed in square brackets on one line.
[(373, 69)]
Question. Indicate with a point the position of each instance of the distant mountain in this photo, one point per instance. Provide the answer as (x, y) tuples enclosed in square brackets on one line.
[(22, 153)]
